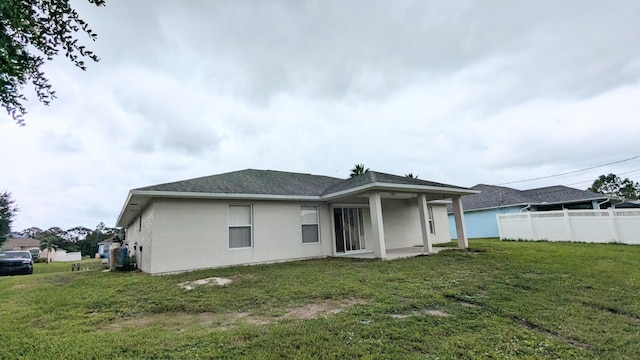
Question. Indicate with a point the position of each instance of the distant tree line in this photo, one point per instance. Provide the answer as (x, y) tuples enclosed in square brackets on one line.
[(75, 239)]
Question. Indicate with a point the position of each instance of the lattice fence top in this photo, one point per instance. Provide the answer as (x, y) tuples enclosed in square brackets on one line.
[(588, 214), (513, 216), (627, 212), (573, 214), (547, 214)]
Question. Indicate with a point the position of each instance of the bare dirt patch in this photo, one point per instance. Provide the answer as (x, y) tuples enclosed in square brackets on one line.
[(321, 309), (190, 285), (438, 313), (225, 321)]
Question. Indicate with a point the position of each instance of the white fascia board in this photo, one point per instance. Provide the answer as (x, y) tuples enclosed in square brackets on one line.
[(200, 195), (401, 188), (497, 207)]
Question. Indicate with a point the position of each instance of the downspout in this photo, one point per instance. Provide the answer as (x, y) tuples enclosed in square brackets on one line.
[(604, 202), (525, 208)]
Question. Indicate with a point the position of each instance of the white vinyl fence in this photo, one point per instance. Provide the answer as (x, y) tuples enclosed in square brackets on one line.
[(594, 226)]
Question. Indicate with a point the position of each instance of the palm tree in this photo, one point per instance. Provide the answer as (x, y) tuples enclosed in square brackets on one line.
[(411, 176), (49, 243), (358, 169)]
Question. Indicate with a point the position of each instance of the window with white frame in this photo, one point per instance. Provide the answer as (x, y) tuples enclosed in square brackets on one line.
[(240, 226), (310, 228), (432, 225)]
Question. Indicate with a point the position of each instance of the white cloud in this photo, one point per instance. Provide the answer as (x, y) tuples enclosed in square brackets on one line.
[(466, 93)]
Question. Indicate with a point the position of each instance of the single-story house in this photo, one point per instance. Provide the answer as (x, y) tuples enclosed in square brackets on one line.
[(258, 216), (480, 209), (23, 243), (104, 246)]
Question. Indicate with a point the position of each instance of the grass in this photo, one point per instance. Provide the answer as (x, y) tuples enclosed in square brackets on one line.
[(497, 300), (55, 267)]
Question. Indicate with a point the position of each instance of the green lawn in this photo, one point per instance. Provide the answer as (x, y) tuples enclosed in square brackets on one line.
[(497, 300)]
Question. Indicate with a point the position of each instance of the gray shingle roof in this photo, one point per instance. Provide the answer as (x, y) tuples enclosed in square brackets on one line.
[(250, 181), (499, 196), (269, 182), (374, 176)]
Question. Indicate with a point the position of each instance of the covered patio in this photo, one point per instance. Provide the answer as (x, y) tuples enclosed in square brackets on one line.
[(358, 205)]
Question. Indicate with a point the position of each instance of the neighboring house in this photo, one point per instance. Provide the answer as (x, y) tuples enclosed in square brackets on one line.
[(23, 243), (257, 216), (628, 204), (104, 246), (480, 210)]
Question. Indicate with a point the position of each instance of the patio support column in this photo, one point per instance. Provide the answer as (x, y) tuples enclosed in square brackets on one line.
[(377, 226), (458, 215), (424, 223)]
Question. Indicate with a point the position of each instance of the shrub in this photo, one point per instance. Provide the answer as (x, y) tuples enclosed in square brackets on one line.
[(129, 264)]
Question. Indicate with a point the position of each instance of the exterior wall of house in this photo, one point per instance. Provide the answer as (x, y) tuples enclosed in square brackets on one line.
[(481, 223), (402, 223), (442, 232), (193, 234), (138, 234)]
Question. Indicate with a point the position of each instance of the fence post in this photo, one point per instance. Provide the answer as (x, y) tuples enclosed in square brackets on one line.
[(567, 224), (532, 229), (614, 228)]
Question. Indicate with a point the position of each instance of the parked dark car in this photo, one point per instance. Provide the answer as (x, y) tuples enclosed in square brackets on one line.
[(16, 263)]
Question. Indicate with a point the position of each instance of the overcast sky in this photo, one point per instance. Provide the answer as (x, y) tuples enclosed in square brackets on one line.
[(462, 92)]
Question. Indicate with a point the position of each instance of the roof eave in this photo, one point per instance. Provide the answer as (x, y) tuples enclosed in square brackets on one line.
[(399, 188), (539, 203), (122, 211), (234, 196)]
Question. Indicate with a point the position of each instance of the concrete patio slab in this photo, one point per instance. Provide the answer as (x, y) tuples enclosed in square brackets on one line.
[(393, 254)]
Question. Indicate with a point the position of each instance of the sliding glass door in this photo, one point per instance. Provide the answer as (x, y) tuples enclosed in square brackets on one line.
[(349, 229)]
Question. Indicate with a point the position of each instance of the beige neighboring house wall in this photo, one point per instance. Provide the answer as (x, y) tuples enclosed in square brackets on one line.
[(21, 244)]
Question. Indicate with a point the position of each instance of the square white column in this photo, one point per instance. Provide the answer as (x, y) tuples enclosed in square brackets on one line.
[(377, 226), (424, 223), (458, 215)]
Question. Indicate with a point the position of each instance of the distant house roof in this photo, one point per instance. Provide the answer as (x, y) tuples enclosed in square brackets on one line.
[(22, 242), (628, 204), (492, 196), (280, 185)]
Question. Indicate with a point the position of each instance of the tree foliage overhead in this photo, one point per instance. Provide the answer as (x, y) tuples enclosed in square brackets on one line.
[(613, 185), (32, 32), (358, 169), (8, 210)]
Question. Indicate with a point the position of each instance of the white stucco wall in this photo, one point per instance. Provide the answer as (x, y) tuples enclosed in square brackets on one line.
[(139, 233), (402, 223), (193, 234), (441, 220)]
